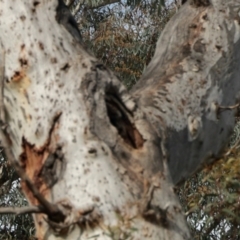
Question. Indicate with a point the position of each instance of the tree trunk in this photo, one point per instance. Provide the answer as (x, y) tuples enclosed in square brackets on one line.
[(108, 159)]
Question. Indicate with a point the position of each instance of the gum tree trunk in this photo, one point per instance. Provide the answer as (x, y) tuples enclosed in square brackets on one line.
[(105, 158)]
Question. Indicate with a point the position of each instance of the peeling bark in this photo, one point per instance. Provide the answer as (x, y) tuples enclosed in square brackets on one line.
[(107, 159)]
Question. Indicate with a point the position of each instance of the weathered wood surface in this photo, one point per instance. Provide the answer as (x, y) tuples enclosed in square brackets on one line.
[(194, 71)]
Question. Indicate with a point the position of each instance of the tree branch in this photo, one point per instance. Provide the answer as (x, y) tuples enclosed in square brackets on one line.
[(21, 210), (188, 77)]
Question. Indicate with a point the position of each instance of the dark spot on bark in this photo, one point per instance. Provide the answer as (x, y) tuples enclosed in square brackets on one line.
[(168, 99), (65, 67), (183, 101), (74, 140), (26, 95), (16, 74), (19, 124), (24, 112), (203, 82), (205, 17), (199, 46), (84, 65), (192, 25), (221, 130), (41, 46), (162, 93), (87, 170), (92, 150), (162, 110), (218, 47), (96, 199), (53, 60), (23, 62), (186, 50), (35, 3), (22, 17), (124, 155)]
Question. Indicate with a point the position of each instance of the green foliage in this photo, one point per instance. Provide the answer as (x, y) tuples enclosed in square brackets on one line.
[(211, 198), (124, 36), (13, 226)]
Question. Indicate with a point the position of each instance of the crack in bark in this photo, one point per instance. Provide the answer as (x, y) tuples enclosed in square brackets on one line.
[(118, 116)]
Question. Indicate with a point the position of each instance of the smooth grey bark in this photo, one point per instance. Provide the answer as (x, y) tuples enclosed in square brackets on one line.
[(194, 71), (103, 157)]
